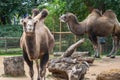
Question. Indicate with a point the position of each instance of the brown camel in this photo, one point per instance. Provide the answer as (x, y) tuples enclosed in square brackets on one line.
[(36, 43), (96, 25)]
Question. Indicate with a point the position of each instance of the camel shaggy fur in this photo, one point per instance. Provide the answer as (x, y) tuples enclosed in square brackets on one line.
[(96, 25), (36, 43)]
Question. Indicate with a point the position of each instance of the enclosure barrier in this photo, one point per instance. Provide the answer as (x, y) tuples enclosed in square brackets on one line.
[(62, 41), (60, 38), (9, 44)]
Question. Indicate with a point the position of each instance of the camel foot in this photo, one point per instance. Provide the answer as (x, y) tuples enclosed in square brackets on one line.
[(42, 78), (108, 55), (95, 56), (38, 78), (112, 56)]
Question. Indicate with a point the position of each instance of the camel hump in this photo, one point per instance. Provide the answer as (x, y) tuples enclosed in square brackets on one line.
[(97, 11), (109, 14)]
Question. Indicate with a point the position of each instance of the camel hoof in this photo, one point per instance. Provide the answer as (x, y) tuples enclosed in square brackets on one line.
[(38, 78), (112, 56), (108, 55), (96, 56)]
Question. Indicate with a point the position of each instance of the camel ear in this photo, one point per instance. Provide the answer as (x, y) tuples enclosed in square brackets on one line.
[(23, 22), (35, 22), (44, 14)]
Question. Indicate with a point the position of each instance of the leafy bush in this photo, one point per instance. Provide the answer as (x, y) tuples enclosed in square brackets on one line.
[(10, 30)]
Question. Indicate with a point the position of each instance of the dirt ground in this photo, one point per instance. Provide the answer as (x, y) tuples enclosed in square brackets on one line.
[(98, 66)]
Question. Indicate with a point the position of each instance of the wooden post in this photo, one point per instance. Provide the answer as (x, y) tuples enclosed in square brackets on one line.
[(5, 44), (100, 46), (75, 38), (60, 39)]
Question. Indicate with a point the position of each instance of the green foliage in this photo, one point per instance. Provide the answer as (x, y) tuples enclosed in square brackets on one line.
[(81, 8), (18, 8), (104, 5), (10, 53), (77, 7), (56, 8), (10, 31)]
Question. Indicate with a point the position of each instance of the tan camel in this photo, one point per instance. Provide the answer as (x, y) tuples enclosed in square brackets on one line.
[(96, 25), (36, 43)]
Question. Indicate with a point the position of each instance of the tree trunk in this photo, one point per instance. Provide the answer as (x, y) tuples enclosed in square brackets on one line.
[(14, 66), (5, 20)]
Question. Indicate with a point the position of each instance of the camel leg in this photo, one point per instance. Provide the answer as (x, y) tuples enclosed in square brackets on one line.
[(43, 62), (29, 63), (93, 39), (97, 51), (115, 47), (37, 65)]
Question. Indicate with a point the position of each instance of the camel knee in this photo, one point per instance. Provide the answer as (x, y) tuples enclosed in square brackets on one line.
[(43, 63), (30, 65), (44, 60)]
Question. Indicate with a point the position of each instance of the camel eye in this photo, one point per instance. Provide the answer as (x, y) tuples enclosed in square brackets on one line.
[(70, 16), (65, 17), (35, 24), (24, 24)]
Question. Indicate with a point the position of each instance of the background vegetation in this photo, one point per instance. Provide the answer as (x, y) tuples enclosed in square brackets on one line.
[(11, 11)]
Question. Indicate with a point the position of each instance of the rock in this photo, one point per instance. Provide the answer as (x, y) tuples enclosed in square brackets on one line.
[(14, 66), (113, 74)]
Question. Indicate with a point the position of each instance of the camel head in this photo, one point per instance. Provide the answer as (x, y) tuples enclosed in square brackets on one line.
[(29, 23), (68, 17)]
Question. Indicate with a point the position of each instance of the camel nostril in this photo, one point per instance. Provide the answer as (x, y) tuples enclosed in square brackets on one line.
[(30, 29)]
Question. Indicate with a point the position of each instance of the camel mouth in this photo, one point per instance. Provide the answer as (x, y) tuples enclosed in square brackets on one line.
[(30, 33), (62, 18)]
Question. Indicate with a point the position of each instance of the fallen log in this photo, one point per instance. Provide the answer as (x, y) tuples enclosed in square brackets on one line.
[(74, 53), (72, 48), (69, 71), (71, 65), (112, 74)]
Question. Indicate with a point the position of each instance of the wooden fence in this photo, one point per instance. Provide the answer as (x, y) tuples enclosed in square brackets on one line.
[(60, 39), (9, 44), (12, 43)]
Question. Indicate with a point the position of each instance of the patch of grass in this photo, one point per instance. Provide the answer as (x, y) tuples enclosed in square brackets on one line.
[(10, 53), (4, 75)]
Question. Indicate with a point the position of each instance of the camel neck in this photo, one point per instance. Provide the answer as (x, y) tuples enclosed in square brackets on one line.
[(30, 42), (76, 28)]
